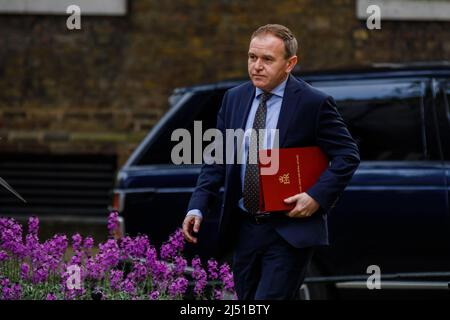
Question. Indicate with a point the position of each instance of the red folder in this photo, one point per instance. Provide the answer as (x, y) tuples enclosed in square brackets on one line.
[(298, 170)]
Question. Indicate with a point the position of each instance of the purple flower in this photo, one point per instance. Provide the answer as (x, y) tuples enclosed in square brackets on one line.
[(13, 292), (139, 273), (41, 261), (116, 279), (51, 252), (88, 245), (141, 246), (160, 271), (180, 265), (93, 269), (199, 275), (151, 256), (213, 269), (196, 263), (134, 248), (224, 269), (3, 256), (77, 241), (11, 237), (76, 258), (74, 294), (33, 225), (128, 286), (25, 271), (178, 287), (227, 277), (57, 245), (4, 281), (167, 251), (113, 223), (109, 255), (218, 294), (51, 296), (127, 247), (154, 295), (200, 278), (174, 246), (32, 245), (6, 293), (40, 274), (178, 240)]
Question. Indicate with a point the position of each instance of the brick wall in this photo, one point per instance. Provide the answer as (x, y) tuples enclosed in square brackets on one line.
[(100, 90)]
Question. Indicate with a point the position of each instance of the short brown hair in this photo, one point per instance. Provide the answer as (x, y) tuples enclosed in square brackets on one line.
[(282, 32)]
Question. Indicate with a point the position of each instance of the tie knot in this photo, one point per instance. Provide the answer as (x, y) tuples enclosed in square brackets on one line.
[(265, 96)]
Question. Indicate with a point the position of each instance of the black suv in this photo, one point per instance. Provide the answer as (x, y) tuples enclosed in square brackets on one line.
[(395, 212)]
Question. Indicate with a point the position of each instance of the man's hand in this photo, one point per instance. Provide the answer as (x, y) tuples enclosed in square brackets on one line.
[(191, 224), (305, 206)]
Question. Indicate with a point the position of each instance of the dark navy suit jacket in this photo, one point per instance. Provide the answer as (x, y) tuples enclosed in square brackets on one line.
[(308, 117)]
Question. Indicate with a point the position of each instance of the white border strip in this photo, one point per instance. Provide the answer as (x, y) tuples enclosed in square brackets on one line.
[(406, 9), (59, 7)]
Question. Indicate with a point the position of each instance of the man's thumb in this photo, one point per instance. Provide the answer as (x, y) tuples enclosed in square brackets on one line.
[(289, 200)]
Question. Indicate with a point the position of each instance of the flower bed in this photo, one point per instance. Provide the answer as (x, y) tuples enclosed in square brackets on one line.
[(125, 268)]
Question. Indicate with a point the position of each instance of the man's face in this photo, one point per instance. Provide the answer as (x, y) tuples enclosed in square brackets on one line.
[(267, 65)]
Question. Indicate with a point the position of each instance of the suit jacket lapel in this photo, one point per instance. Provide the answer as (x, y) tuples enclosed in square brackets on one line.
[(288, 106), (245, 104), (244, 107)]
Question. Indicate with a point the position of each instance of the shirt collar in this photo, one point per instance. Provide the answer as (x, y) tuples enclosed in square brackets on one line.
[(277, 91)]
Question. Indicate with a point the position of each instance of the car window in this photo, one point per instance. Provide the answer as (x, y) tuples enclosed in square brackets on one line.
[(385, 118), (202, 106), (447, 101), (443, 109)]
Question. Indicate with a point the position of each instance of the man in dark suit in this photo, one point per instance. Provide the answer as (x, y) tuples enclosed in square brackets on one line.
[(272, 250)]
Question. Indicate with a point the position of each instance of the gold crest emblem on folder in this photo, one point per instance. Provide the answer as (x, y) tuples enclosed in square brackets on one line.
[(284, 178)]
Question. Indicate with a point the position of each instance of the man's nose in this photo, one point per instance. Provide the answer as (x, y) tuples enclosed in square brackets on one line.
[(258, 64)]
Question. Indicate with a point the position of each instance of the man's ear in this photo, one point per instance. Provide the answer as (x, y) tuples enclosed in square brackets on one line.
[(292, 61)]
